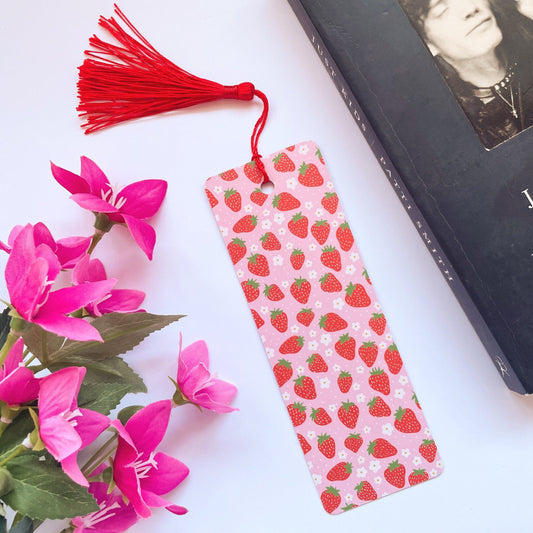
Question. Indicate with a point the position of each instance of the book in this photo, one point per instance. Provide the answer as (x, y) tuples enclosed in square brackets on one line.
[(454, 141)]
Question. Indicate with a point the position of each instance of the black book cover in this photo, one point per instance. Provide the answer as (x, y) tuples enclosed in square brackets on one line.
[(464, 174)]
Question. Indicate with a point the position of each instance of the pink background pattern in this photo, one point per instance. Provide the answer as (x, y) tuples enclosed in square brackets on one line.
[(341, 377)]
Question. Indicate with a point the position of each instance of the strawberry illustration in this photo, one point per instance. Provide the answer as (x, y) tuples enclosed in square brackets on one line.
[(356, 295), (365, 491), (306, 447), (381, 448), (304, 387), (297, 413), (301, 290), (298, 225), (285, 202), (344, 381), (320, 416), (278, 319), (428, 450), (320, 231), (340, 472), (251, 289), (297, 259), (330, 498), (291, 148), (345, 346), (418, 476), (282, 371), (378, 407), (258, 265), (348, 414), (292, 345), (330, 202), (245, 224), (316, 363), (257, 318), (379, 381), (329, 283), (210, 196), (229, 175), (326, 446), (393, 359), (237, 250), (415, 399), (253, 173), (348, 507), (273, 293), (378, 323), (318, 153), (233, 199), (353, 442), (368, 353), (332, 322), (366, 276), (258, 196), (305, 316), (331, 258), (344, 236), (309, 175), (270, 241), (283, 163), (395, 474), (406, 421)]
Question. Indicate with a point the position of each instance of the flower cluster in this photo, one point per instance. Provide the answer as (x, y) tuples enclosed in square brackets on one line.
[(62, 337)]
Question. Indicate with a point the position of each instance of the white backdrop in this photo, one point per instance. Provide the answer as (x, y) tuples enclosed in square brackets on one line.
[(247, 470)]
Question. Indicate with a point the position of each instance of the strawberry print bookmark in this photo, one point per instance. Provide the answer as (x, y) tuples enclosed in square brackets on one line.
[(342, 379)]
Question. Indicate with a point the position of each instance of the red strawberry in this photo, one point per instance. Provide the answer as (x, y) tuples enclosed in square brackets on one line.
[(348, 507), (348, 414), (309, 175), (292, 345), (282, 371), (330, 498), (258, 197), (285, 202), (378, 323), (291, 148), (298, 225), (245, 224), (368, 353), (320, 231), (345, 346), (326, 446), (237, 250), (306, 447), (304, 387), (428, 450), (212, 200), (395, 474), (331, 258), (366, 276), (344, 381), (330, 202), (270, 241), (415, 399), (251, 289), (332, 322), (273, 293), (253, 173), (381, 448), (305, 317), (318, 153), (297, 413), (301, 290), (406, 421), (258, 265), (353, 442), (320, 416), (257, 317), (379, 381), (278, 319), (418, 476), (393, 359), (316, 363), (329, 283), (297, 259), (378, 407), (366, 492), (356, 295), (344, 236), (233, 199), (229, 175), (283, 163), (340, 472)]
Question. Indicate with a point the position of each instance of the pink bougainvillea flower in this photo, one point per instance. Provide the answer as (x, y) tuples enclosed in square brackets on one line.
[(195, 383), (140, 473), (132, 205), (63, 427), (17, 383), (118, 300), (30, 272), (114, 515)]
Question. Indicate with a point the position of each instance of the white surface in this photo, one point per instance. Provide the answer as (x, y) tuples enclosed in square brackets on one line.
[(247, 470)]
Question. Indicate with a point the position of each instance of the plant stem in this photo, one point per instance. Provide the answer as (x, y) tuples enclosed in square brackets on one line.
[(11, 339), (99, 456), (17, 451), (97, 237)]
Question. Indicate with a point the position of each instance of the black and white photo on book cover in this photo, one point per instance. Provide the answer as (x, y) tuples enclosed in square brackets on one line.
[(484, 51)]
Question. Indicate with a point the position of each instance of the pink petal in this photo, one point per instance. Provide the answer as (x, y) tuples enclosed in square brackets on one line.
[(142, 233), (216, 395), (22, 256), (13, 234), (59, 437), (29, 289), (143, 198), (76, 329), (93, 203), (90, 425), (59, 391), (14, 357), (193, 381), (88, 269), (70, 250), (5, 248), (122, 301), (94, 176), (70, 181), (166, 477), (195, 354), (42, 235), (153, 500), (54, 266), (71, 468), (19, 386), (147, 427)]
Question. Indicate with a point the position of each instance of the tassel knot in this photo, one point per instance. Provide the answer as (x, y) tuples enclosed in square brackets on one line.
[(243, 91)]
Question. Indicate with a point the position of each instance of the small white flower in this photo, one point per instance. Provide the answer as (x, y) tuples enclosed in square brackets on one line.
[(318, 304), (300, 370), (332, 407), (308, 205), (217, 189), (285, 284), (308, 263), (217, 218), (361, 472), (264, 309), (311, 435), (263, 339), (224, 231), (317, 478), (377, 305), (312, 346), (367, 334), (312, 333), (433, 473), (360, 398), (361, 460), (270, 352), (281, 231), (309, 465), (334, 224), (388, 336), (399, 393), (350, 270), (383, 345), (343, 455), (325, 339), (417, 461), (289, 246), (329, 185), (319, 212), (336, 368), (277, 260), (338, 303), (312, 247), (356, 326), (325, 383), (427, 432), (367, 429), (375, 466), (266, 213), (329, 353), (291, 183), (248, 208), (438, 464), (356, 386), (354, 256), (240, 273), (254, 248), (340, 215), (403, 380), (312, 274), (377, 480), (406, 452), (387, 429), (348, 497), (279, 218), (295, 329), (286, 396), (360, 369), (303, 149), (266, 224)]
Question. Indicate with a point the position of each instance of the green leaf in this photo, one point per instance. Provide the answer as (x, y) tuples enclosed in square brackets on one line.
[(15, 433), (102, 397), (24, 526), (5, 323), (3, 524), (125, 414), (43, 491)]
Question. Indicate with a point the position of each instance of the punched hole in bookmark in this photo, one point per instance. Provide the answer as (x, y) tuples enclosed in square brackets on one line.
[(267, 187)]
